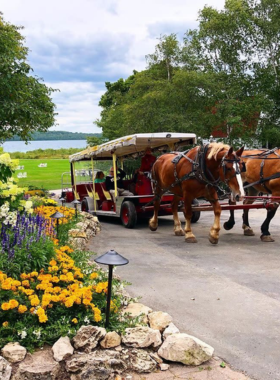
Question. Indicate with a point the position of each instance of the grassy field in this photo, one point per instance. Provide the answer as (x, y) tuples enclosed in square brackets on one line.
[(48, 178)]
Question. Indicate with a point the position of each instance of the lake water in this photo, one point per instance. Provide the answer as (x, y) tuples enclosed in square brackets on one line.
[(20, 146)]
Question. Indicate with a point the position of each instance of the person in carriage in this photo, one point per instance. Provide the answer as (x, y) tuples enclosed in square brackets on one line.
[(110, 185), (147, 161)]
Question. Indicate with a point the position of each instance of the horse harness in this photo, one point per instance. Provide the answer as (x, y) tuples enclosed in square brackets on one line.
[(264, 156), (199, 171)]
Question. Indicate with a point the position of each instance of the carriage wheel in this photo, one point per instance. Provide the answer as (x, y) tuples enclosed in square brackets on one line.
[(84, 205), (196, 214), (128, 214)]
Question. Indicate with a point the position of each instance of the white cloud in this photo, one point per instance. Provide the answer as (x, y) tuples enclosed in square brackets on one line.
[(78, 45)]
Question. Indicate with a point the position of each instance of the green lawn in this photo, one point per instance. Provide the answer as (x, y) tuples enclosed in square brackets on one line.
[(48, 178)]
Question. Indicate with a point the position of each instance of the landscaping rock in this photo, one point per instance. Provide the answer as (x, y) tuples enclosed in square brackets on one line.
[(78, 243), (14, 352), (98, 365), (139, 361), (137, 309), (164, 366), (5, 369), (171, 329), (39, 365), (87, 338), (62, 349), (141, 337), (185, 349), (112, 339), (159, 320), (155, 357)]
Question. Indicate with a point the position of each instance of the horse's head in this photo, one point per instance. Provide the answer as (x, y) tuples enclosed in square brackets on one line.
[(230, 168)]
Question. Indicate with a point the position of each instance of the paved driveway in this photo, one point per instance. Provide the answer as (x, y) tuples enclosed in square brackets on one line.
[(227, 295)]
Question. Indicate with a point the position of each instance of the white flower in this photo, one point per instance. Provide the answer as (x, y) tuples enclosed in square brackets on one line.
[(37, 333), (86, 320), (22, 334)]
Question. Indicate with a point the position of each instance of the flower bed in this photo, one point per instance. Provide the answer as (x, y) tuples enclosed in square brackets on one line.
[(47, 288), (53, 298)]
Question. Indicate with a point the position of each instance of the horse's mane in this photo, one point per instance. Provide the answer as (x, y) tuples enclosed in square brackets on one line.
[(215, 148)]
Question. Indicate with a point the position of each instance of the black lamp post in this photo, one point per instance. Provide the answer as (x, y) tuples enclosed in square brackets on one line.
[(62, 200), (111, 258), (57, 215), (76, 203)]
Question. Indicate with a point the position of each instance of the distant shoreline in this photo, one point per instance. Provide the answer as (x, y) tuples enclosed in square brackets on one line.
[(57, 136)]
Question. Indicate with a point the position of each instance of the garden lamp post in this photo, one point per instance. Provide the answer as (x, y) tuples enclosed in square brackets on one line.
[(76, 203), (111, 258), (57, 215), (62, 200)]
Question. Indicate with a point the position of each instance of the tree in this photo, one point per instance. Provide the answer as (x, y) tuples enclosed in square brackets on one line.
[(241, 43), (25, 103), (167, 54)]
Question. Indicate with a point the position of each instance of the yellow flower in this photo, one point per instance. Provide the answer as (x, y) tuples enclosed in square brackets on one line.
[(5, 306), (86, 301), (35, 301), (5, 324), (93, 275), (25, 283), (75, 320), (6, 284), (22, 309), (13, 304), (52, 263)]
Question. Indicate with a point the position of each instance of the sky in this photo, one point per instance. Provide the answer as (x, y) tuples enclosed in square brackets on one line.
[(77, 46)]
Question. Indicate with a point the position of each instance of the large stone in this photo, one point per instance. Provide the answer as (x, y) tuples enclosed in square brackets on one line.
[(39, 365), (112, 339), (141, 337), (87, 338), (185, 349), (98, 365), (139, 361), (136, 310), (159, 320), (171, 329), (78, 243), (14, 352), (62, 349), (5, 369)]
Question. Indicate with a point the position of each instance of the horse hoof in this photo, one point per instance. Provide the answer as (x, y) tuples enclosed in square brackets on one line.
[(228, 226), (191, 240), (248, 232), (153, 227), (267, 239), (213, 240), (179, 233)]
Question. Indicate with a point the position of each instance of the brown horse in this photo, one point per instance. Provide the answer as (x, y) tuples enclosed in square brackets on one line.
[(194, 174), (262, 175)]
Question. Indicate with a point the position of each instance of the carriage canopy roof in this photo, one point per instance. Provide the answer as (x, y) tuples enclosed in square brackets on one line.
[(132, 144)]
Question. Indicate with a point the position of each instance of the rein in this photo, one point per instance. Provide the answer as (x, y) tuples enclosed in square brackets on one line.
[(263, 155)]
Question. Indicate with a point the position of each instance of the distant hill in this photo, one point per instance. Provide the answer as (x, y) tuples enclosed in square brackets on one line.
[(59, 135)]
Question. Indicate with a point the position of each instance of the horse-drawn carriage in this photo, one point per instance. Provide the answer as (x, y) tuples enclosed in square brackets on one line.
[(125, 153), (180, 174)]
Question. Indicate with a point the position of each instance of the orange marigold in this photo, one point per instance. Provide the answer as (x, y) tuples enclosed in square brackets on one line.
[(22, 309)]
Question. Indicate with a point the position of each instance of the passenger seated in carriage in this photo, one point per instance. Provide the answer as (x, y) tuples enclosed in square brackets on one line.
[(100, 177), (142, 177), (110, 184), (147, 162)]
